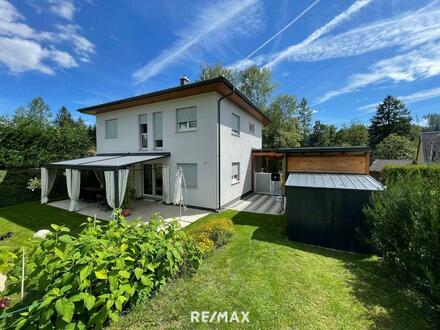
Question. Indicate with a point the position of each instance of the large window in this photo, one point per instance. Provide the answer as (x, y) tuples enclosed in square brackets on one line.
[(235, 172), (157, 130), (235, 124), (190, 173), (143, 131), (186, 119), (111, 129)]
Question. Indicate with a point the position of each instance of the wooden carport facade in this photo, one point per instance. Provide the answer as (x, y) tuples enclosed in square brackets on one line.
[(342, 160)]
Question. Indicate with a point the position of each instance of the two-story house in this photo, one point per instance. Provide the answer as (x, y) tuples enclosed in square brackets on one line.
[(207, 128)]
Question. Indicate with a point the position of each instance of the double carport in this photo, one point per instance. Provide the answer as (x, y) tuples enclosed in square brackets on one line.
[(116, 168)]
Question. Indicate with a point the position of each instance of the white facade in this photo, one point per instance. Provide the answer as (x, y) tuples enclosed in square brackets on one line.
[(197, 146)]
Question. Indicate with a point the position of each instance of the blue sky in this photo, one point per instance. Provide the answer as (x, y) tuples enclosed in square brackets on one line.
[(343, 56)]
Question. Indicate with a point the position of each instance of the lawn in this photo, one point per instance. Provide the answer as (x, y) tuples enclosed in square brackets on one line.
[(23, 220), (282, 285)]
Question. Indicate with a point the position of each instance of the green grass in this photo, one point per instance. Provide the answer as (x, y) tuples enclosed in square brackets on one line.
[(23, 220), (283, 285)]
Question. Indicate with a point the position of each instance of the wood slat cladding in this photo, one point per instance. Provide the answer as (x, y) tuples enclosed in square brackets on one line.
[(328, 163)]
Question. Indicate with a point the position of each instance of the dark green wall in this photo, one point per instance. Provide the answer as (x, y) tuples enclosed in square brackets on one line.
[(327, 217)]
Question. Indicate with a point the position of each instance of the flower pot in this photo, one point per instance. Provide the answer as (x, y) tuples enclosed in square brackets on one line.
[(125, 212)]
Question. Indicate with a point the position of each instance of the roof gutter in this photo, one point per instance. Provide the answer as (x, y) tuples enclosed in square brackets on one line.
[(219, 143)]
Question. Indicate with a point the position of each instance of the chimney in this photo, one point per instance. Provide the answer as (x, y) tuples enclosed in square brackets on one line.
[(184, 80)]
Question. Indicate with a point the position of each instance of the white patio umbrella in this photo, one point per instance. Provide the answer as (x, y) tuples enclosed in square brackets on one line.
[(179, 189)]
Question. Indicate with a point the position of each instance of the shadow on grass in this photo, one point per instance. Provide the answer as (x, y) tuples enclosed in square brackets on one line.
[(390, 302)]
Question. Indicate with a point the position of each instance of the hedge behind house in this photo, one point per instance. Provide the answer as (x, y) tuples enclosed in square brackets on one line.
[(405, 220), (13, 183)]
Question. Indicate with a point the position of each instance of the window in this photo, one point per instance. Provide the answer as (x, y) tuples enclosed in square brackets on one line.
[(186, 119), (190, 173), (235, 124), (111, 129), (143, 130), (235, 172), (157, 130), (251, 128)]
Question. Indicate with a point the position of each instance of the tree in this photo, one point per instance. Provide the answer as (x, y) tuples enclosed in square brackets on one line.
[(392, 117), (354, 135), (396, 147), (323, 135), (433, 122), (305, 121), (63, 117), (284, 129), (255, 83)]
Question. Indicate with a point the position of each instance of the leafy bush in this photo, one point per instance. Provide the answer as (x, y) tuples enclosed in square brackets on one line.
[(34, 184), (78, 282), (405, 222), (213, 234)]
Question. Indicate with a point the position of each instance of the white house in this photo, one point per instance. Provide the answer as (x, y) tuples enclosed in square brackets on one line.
[(208, 128)]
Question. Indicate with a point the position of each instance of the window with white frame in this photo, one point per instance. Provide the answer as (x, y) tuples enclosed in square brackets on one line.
[(235, 172), (251, 128), (143, 131), (111, 129), (186, 119), (190, 173), (235, 124), (157, 130)]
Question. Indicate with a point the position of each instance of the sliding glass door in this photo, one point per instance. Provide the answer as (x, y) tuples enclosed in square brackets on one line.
[(152, 179)]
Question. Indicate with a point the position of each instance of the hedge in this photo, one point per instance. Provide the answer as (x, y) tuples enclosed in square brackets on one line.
[(405, 221)]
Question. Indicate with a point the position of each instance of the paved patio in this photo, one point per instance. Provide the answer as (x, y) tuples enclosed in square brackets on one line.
[(259, 203), (141, 209)]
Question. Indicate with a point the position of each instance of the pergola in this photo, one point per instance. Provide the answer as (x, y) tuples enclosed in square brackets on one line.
[(115, 168)]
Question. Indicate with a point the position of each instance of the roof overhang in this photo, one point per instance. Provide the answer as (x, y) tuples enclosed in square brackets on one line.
[(220, 85), (107, 162)]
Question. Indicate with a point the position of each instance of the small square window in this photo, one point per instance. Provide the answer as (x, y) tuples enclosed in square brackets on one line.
[(186, 119), (251, 128), (190, 174), (235, 173), (111, 129)]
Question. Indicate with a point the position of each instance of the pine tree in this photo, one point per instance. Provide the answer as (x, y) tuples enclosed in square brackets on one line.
[(392, 117), (305, 120), (63, 117)]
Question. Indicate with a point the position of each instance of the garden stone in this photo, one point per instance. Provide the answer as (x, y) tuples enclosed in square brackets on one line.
[(42, 233)]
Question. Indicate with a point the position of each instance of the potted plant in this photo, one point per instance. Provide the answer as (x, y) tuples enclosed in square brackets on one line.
[(130, 196)]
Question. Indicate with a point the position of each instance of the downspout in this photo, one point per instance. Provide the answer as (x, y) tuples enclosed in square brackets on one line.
[(219, 144)]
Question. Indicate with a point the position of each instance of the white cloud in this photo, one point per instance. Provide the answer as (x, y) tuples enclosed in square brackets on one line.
[(23, 48), (405, 31), (63, 8), (211, 27), (420, 63), (412, 98), (287, 53)]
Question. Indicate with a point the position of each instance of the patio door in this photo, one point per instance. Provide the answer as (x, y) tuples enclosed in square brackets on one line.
[(152, 174)]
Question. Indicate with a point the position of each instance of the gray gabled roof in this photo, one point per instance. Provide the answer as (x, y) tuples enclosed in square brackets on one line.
[(430, 146), (379, 164), (333, 181)]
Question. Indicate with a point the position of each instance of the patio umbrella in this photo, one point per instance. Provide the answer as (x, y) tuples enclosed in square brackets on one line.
[(179, 189)]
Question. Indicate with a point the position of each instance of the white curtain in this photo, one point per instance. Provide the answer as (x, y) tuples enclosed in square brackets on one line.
[(73, 178), (166, 184), (48, 176), (110, 187)]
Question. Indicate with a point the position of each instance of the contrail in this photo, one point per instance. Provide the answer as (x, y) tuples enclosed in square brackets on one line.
[(283, 29)]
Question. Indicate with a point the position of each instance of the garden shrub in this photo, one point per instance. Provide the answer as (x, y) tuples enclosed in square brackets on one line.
[(79, 282), (213, 234), (405, 221)]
